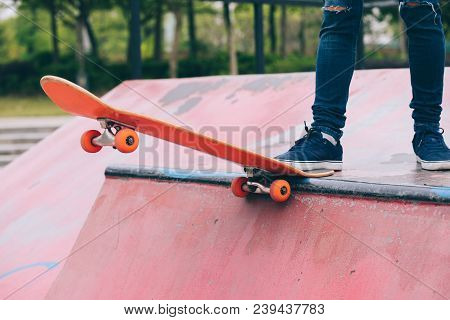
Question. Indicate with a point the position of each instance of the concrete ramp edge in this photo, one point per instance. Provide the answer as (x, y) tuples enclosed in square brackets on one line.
[(310, 185)]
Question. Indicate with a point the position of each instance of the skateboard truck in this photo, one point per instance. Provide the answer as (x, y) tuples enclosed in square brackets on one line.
[(115, 134), (263, 182), (255, 187)]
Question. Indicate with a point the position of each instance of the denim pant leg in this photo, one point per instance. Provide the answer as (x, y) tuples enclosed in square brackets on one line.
[(335, 64), (426, 60)]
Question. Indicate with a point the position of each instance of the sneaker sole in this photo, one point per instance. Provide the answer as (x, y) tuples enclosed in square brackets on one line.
[(434, 165), (315, 165)]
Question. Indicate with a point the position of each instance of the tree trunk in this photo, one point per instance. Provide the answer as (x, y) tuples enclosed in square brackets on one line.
[(135, 40), (92, 38), (176, 42), (84, 13), (283, 27), (30, 45), (54, 30), (129, 41), (230, 39), (301, 33), (81, 74), (192, 30), (272, 29), (259, 37), (157, 48)]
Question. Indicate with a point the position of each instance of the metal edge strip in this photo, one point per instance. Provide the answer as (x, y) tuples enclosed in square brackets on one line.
[(311, 185)]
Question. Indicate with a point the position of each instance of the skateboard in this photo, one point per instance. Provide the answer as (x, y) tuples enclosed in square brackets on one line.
[(263, 174)]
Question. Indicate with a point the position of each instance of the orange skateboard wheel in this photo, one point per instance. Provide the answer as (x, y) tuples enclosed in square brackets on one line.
[(126, 140), (280, 190), (86, 141), (236, 187)]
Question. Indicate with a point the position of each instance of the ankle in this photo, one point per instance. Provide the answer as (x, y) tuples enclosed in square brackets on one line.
[(333, 135), (420, 128)]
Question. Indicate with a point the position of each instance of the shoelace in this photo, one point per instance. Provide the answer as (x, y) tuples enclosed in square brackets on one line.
[(306, 137)]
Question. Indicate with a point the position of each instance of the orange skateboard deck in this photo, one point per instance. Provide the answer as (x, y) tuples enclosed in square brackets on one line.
[(120, 128)]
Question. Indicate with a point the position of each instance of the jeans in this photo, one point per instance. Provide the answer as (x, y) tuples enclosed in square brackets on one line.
[(336, 61)]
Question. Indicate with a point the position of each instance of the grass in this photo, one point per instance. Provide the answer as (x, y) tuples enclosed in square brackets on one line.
[(19, 106)]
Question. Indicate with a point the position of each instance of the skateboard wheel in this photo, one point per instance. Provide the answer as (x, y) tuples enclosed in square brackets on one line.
[(126, 140), (236, 187), (86, 141), (280, 190)]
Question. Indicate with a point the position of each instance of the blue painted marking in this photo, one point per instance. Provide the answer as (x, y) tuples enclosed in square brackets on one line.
[(305, 180), (185, 174), (48, 265), (443, 193)]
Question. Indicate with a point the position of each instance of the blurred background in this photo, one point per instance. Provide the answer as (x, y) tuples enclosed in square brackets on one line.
[(100, 43)]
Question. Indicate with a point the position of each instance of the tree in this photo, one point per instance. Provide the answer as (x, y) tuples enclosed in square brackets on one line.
[(272, 29), (301, 33), (25, 33), (140, 15), (158, 30), (75, 12), (396, 19), (52, 6), (231, 43), (84, 9), (192, 29), (3, 43), (175, 6), (283, 28), (53, 9), (135, 40), (81, 51)]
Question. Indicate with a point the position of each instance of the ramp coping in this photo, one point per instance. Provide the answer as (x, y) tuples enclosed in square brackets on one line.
[(311, 185)]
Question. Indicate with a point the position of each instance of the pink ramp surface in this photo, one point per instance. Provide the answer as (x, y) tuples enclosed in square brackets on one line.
[(162, 240), (47, 194)]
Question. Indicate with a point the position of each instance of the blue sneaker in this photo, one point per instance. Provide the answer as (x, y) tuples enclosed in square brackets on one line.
[(431, 151), (314, 151)]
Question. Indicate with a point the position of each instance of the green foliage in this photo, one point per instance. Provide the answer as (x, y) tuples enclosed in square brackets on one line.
[(111, 30), (25, 47), (292, 63), (22, 77), (3, 42), (445, 7), (27, 35)]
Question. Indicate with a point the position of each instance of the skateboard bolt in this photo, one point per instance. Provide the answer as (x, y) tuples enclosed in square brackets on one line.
[(283, 190), (130, 141)]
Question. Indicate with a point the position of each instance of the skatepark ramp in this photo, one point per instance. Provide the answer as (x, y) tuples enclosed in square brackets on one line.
[(162, 223)]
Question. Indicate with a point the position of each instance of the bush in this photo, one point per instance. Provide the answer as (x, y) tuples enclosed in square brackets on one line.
[(292, 63), (23, 77)]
